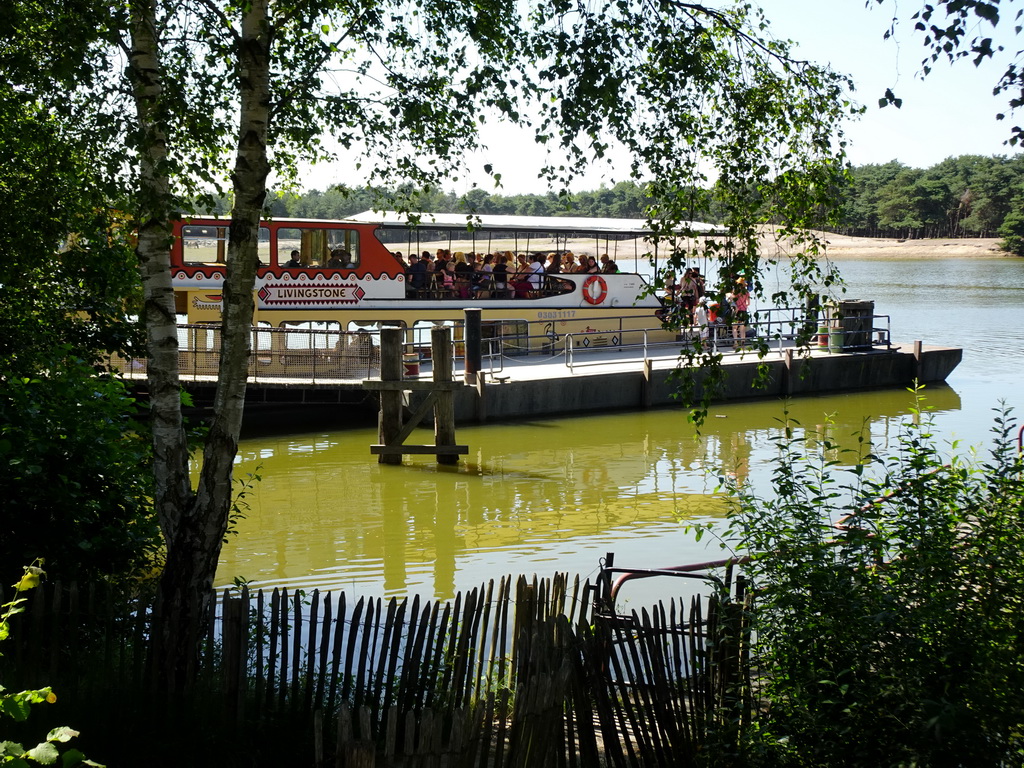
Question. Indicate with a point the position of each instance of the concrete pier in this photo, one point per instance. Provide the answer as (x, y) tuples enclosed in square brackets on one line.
[(617, 379), (551, 389)]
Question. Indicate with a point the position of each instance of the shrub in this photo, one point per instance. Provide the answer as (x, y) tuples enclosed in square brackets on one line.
[(893, 638)]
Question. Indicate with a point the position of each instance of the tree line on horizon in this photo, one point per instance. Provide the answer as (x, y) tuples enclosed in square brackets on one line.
[(965, 196)]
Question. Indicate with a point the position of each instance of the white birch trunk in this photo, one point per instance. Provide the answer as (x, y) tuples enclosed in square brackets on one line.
[(173, 487), (194, 525)]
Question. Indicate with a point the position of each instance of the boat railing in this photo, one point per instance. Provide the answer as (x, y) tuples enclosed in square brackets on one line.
[(299, 354), (782, 331), (313, 355)]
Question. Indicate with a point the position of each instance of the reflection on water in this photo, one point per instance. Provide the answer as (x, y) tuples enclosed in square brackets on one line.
[(530, 498), (556, 495)]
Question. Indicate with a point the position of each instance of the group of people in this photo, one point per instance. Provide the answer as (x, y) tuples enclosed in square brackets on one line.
[(340, 259), (494, 275), (690, 304)]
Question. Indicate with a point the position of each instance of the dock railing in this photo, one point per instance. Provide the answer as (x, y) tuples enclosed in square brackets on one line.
[(317, 355), (775, 334)]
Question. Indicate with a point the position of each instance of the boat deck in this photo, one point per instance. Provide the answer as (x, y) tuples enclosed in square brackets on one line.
[(535, 385)]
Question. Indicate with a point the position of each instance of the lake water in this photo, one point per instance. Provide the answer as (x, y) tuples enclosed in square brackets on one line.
[(556, 495)]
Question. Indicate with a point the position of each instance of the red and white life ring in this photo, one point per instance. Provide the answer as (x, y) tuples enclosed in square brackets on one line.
[(589, 294)]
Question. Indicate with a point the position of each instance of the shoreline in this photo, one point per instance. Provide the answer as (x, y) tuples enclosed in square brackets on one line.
[(841, 247)]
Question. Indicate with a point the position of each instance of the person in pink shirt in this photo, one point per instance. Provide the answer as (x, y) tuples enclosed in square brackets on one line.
[(741, 299)]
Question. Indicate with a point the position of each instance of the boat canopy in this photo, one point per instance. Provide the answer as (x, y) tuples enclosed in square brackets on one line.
[(503, 223)]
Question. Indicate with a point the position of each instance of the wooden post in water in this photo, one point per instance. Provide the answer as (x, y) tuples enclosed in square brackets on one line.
[(474, 335), (390, 420), (444, 404), (441, 398), (474, 374), (787, 372), (647, 386)]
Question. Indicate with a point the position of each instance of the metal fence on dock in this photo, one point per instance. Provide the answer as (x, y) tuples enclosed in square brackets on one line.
[(516, 673), (328, 354)]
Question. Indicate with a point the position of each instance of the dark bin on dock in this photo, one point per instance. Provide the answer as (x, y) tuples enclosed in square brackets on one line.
[(856, 319)]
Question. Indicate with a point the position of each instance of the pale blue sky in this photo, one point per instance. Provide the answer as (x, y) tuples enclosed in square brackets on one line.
[(950, 113)]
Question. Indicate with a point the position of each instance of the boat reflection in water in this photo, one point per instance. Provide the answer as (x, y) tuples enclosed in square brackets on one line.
[(534, 497)]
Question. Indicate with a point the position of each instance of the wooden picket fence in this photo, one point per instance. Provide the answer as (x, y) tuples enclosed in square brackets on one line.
[(515, 673)]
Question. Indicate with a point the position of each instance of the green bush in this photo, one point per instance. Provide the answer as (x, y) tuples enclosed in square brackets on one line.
[(74, 474), (894, 638), (17, 705)]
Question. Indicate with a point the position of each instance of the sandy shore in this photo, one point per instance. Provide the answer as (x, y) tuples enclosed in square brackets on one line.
[(839, 247), (842, 247)]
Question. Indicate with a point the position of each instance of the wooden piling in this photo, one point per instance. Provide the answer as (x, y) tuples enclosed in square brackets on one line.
[(390, 420), (444, 402), (441, 397), (647, 386), (474, 335), (787, 372)]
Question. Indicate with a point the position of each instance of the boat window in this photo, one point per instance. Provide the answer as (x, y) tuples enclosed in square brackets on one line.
[(262, 337), (309, 335), (202, 244), (321, 248), (374, 326), (512, 337)]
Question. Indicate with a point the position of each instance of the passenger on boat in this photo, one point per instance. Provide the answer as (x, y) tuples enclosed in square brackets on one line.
[(500, 276), (554, 265), (688, 291), (704, 316), (671, 286), (448, 279), (742, 303), (610, 268), (698, 279), (483, 277), (463, 275), (417, 277), (337, 260), (568, 263), (536, 275), (592, 267), (295, 260), (521, 279)]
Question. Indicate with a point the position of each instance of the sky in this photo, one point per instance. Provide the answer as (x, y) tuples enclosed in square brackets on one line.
[(952, 112)]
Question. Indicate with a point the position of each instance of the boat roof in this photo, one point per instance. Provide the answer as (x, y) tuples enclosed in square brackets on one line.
[(504, 223)]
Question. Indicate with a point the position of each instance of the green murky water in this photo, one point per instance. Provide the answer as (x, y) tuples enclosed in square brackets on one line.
[(536, 497)]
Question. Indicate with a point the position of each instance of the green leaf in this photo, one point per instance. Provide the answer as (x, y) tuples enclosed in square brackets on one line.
[(14, 707), (73, 758), (44, 754), (63, 734), (11, 749)]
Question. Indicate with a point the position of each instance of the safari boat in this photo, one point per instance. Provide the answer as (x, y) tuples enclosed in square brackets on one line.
[(347, 275)]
